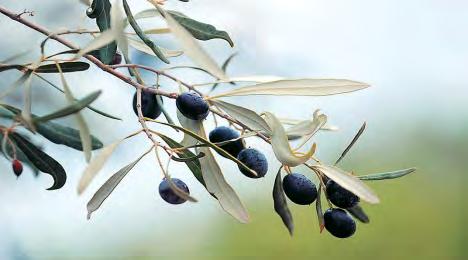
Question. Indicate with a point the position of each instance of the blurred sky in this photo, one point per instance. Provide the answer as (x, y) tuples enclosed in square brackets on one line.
[(413, 53)]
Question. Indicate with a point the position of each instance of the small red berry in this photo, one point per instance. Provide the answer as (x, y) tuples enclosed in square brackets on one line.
[(17, 167)]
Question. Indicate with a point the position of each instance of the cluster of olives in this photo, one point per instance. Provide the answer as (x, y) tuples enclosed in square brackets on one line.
[(300, 190), (194, 107), (297, 187)]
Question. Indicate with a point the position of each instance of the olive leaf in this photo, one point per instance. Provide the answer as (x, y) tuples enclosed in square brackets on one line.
[(41, 160), (15, 84), (244, 115), (281, 204), (224, 68), (356, 137), (213, 177), (96, 165), (101, 11), (307, 128), (89, 107), (280, 144), (192, 164), (386, 175), (349, 182), (359, 214), (318, 209), (191, 47), (26, 112), (141, 46), (299, 87), (85, 135), (188, 124), (65, 135), (110, 15), (199, 30), (71, 66), (74, 107), (201, 137), (53, 132), (106, 189), (141, 34)]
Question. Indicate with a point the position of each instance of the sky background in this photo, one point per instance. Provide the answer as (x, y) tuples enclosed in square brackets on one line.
[(414, 55)]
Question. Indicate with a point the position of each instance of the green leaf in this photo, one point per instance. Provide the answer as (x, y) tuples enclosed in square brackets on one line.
[(215, 182), (318, 209), (15, 85), (280, 144), (56, 133), (41, 160), (359, 214), (96, 165), (89, 107), (299, 87), (106, 189), (356, 137), (386, 175), (349, 182), (71, 66), (100, 10), (204, 140), (199, 30), (224, 68), (65, 135), (191, 47), (73, 108), (84, 132), (281, 205), (141, 34), (193, 165), (244, 115), (141, 46), (307, 128)]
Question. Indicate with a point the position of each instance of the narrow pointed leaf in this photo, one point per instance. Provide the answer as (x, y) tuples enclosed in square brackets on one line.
[(95, 166), (89, 107), (141, 34), (193, 165), (202, 138), (101, 11), (71, 66), (281, 204), (386, 175), (15, 85), (215, 182), (318, 209), (191, 47), (201, 31), (56, 133), (73, 108), (141, 46), (349, 182), (280, 144), (65, 135), (106, 189), (300, 87), (41, 160), (359, 214), (356, 137), (85, 135), (244, 115), (307, 128)]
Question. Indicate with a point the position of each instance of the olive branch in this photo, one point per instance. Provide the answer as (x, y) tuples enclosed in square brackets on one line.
[(341, 188)]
